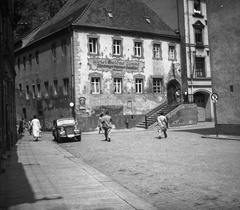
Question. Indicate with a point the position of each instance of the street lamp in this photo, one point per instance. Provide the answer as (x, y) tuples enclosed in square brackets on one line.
[(71, 104)]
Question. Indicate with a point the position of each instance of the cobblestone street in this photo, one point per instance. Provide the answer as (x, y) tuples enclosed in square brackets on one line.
[(183, 171)]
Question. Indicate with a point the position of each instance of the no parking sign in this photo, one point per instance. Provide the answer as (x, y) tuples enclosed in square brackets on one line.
[(214, 97)]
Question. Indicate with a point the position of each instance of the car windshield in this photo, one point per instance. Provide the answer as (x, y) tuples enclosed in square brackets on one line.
[(65, 121)]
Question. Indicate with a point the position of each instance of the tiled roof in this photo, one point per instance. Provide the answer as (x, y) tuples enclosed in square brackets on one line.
[(128, 15)]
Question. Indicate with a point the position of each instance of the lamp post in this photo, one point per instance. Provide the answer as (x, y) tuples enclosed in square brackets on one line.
[(71, 104)]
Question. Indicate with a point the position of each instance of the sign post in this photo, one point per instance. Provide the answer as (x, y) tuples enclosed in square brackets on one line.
[(214, 98)]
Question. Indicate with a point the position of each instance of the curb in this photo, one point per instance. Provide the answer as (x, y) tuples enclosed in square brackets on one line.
[(222, 137)]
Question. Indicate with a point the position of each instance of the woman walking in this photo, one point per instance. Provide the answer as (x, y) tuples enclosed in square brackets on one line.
[(162, 125), (107, 125), (36, 127), (100, 123)]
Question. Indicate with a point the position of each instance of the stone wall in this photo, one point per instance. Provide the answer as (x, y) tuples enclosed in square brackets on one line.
[(224, 31)]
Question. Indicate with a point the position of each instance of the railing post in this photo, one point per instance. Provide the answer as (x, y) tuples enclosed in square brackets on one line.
[(145, 121)]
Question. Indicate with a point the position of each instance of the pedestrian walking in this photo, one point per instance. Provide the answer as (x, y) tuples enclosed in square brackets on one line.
[(36, 127), (162, 125), (107, 125), (177, 96), (100, 123), (30, 127), (21, 127)]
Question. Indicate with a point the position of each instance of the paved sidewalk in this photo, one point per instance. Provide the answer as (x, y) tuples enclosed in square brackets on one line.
[(42, 175)]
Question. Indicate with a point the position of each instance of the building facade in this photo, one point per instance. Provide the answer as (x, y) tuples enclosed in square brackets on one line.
[(7, 83), (189, 19), (198, 57), (99, 60), (224, 32)]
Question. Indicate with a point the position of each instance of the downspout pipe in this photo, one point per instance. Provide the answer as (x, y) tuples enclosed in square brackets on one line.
[(72, 70), (190, 51)]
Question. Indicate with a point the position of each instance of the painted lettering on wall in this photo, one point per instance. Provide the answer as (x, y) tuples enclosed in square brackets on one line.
[(104, 64)]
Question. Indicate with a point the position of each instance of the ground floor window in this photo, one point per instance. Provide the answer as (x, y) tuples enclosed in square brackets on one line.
[(66, 86), (95, 85), (139, 85), (117, 85), (157, 85)]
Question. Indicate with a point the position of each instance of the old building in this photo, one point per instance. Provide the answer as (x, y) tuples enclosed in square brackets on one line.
[(115, 55), (189, 19), (197, 57), (224, 31), (7, 82)]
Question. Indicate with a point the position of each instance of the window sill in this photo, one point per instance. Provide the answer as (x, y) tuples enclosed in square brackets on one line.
[(201, 46), (158, 59), (93, 54), (197, 15), (117, 56), (136, 57)]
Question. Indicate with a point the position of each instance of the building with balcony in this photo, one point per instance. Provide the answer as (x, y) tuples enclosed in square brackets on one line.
[(100, 55)]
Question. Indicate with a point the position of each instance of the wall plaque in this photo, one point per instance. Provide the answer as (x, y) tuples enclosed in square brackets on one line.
[(104, 64)]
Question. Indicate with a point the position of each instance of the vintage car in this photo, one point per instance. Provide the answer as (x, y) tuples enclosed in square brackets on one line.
[(64, 128)]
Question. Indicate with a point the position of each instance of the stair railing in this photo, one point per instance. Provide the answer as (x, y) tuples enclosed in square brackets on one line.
[(165, 102), (153, 111)]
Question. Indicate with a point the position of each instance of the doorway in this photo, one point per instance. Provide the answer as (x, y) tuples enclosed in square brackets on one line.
[(199, 99), (172, 87)]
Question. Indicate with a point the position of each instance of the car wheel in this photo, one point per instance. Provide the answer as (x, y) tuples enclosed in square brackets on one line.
[(59, 140), (79, 138), (54, 135)]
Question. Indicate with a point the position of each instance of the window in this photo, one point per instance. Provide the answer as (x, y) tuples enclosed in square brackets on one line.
[(30, 59), (117, 47), (37, 57), (198, 36), (93, 45), (18, 63), (54, 51), (171, 52), (46, 89), (20, 90), (33, 91), (117, 85), (139, 85), (200, 67), (24, 63), (66, 86), (197, 6), (157, 51), (95, 85), (27, 92), (38, 91), (55, 87), (64, 47), (157, 85), (138, 49)]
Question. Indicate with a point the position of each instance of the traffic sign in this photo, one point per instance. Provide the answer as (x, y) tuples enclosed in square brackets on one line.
[(214, 97)]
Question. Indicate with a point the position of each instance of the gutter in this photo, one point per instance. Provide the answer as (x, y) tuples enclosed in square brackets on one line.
[(72, 70), (190, 52)]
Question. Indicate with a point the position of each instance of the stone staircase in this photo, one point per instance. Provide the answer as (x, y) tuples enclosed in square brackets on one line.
[(151, 117)]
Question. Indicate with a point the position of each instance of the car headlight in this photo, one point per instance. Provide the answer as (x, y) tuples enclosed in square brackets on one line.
[(76, 131), (62, 131)]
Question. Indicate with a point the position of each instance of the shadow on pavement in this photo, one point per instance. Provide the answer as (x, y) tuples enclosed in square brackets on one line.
[(202, 131), (18, 189), (16, 184)]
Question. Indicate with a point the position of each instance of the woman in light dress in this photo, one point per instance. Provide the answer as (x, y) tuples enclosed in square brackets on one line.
[(36, 127)]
